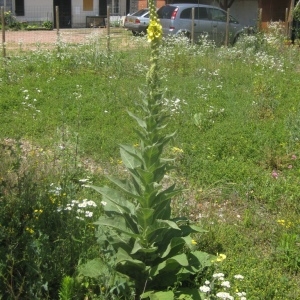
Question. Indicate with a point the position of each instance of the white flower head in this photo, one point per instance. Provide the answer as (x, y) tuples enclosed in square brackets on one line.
[(225, 284), (88, 214), (204, 289), (238, 276), (91, 203), (218, 275), (224, 295)]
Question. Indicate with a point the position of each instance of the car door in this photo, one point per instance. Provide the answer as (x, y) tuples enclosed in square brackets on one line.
[(201, 24), (218, 19)]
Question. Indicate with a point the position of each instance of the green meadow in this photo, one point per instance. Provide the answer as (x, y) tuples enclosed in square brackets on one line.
[(235, 155)]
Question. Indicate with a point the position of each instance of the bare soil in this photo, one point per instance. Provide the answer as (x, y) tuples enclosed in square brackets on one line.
[(31, 40)]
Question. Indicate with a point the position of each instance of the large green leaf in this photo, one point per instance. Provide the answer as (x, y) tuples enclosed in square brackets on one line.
[(144, 217), (174, 243), (114, 200), (156, 232), (128, 264), (161, 295), (199, 260), (188, 294), (141, 122), (172, 264), (94, 268), (118, 223), (139, 248), (130, 156), (125, 186), (105, 234)]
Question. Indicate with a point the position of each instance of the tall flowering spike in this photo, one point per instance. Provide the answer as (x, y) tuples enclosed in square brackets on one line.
[(154, 32)]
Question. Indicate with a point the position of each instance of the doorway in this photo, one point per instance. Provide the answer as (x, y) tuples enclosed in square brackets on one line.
[(65, 13), (102, 7)]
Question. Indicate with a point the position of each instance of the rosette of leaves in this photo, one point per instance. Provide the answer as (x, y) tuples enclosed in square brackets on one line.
[(148, 246)]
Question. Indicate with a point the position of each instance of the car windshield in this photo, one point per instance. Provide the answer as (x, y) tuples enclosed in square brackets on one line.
[(140, 12), (165, 12)]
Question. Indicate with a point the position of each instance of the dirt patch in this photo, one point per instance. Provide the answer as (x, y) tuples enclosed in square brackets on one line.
[(47, 39)]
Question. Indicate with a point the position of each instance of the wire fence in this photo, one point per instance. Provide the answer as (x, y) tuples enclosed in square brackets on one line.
[(41, 39), (44, 34), (45, 31)]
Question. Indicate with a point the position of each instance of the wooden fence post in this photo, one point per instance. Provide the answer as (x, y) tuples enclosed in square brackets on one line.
[(57, 23), (108, 29), (259, 20), (3, 31), (193, 26), (286, 22), (227, 28)]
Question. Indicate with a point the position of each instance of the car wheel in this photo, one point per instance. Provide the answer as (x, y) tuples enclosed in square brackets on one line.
[(185, 34)]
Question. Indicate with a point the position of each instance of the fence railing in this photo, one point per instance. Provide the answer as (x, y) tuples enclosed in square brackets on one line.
[(46, 34)]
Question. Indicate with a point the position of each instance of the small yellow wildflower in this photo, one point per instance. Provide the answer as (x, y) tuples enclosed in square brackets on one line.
[(30, 230), (220, 258), (194, 242), (286, 224), (177, 150)]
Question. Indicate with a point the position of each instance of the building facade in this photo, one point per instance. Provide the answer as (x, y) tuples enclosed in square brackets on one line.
[(75, 13)]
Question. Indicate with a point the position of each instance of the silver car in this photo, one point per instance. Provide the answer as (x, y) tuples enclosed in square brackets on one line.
[(176, 19), (138, 22)]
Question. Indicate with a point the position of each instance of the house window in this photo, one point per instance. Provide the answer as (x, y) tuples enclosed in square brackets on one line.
[(88, 5), (19, 8), (115, 7)]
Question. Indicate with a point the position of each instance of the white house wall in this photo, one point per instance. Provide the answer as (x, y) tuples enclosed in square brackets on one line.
[(43, 11), (244, 10), (79, 15)]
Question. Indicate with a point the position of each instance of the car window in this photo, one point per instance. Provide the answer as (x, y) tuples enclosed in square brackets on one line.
[(140, 12), (218, 15), (147, 15), (200, 13), (186, 13), (165, 12), (233, 20)]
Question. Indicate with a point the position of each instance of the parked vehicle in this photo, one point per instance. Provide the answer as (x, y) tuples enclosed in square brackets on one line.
[(176, 19), (138, 22)]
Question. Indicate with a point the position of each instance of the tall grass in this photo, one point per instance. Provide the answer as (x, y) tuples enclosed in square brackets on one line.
[(236, 112)]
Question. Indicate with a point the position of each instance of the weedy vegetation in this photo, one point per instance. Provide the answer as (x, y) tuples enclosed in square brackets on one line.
[(200, 201)]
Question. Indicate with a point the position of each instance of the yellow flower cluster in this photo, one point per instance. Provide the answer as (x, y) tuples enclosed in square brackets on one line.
[(286, 224), (177, 150), (220, 258), (154, 30), (30, 230)]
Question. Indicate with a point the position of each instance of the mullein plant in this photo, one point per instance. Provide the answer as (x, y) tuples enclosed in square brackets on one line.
[(150, 248)]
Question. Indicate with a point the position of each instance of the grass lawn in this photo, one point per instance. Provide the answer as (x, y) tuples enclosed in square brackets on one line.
[(237, 156)]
